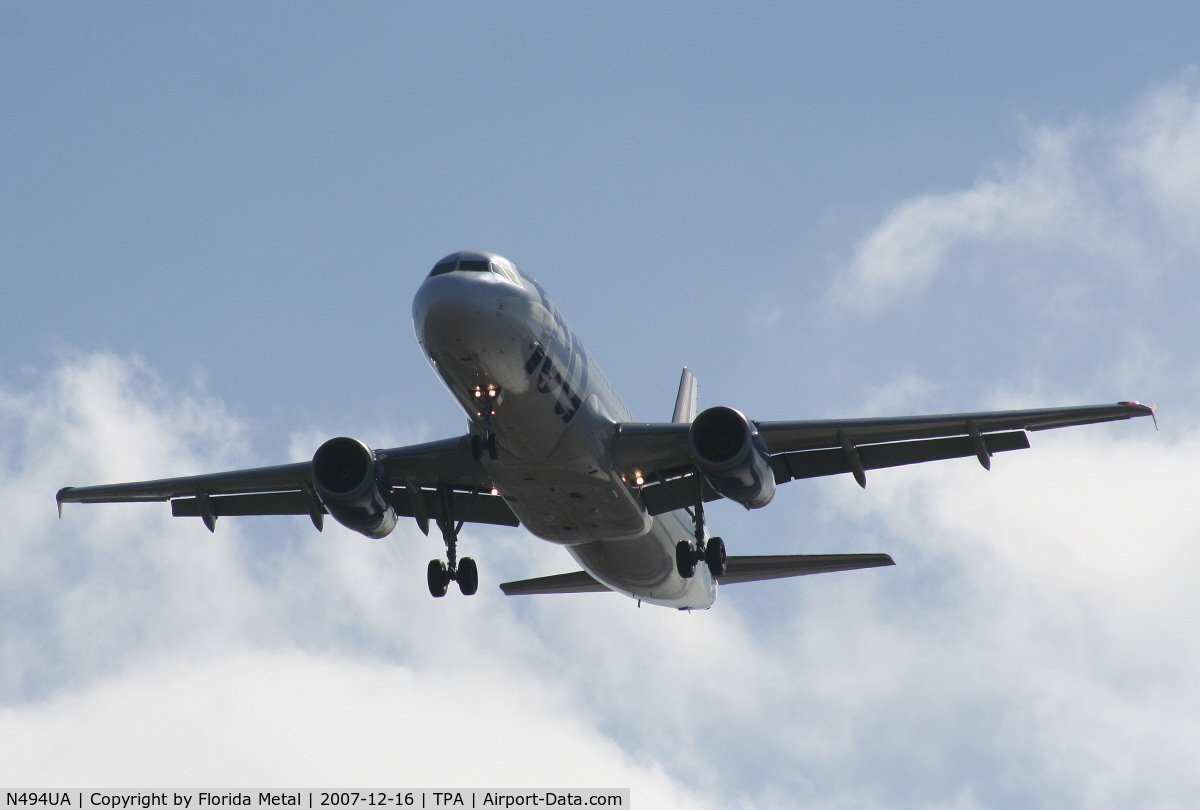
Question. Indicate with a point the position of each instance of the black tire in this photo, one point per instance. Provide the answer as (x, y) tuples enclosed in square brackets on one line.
[(714, 555), (467, 576), (491, 446), (438, 577), (477, 447), (685, 559)]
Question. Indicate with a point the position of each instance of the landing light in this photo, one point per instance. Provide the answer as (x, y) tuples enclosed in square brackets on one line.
[(637, 479), (495, 491)]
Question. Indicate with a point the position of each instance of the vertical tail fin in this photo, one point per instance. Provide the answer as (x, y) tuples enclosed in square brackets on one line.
[(685, 400)]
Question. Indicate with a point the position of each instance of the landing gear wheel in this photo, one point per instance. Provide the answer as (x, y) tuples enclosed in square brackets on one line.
[(438, 577), (477, 447), (491, 446), (467, 576), (685, 559), (714, 555)]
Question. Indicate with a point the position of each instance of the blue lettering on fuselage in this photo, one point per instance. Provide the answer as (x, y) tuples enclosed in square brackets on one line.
[(559, 363), (550, 380)]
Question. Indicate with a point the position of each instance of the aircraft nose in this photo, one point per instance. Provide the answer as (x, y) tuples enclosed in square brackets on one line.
[(465, 298), (449, 311)]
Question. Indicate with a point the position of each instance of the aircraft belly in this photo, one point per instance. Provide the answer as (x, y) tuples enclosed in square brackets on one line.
[(567, 504), (644, 568), (574, 495)]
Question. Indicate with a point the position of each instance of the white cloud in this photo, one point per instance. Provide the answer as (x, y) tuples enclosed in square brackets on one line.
[(1160, 148), (287, 719), (1077, 199)]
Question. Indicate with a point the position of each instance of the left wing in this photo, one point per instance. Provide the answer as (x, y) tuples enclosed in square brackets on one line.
[(661, 455), (424, 477)]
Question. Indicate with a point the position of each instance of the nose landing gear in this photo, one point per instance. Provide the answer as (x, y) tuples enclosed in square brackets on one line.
[(487, 400), (711, 553), (465, 572)]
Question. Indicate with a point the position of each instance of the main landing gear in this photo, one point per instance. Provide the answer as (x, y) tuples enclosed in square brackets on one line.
[(465, 572), (487, 400), (688, 554)]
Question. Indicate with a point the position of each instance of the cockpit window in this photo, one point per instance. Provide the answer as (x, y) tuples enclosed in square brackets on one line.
[(507, 272), (502, 268)]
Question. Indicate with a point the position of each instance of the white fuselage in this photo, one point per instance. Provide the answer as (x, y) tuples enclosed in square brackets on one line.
[(553, 427)]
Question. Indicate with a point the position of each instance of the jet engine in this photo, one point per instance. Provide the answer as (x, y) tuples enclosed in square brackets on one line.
[(353, 487), (733, 457)]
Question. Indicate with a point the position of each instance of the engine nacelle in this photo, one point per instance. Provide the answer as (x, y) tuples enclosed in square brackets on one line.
[(733, 457), (353, 487)]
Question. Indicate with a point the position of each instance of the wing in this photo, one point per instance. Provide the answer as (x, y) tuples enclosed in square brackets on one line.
[(660, 452), (417, 473), (737, 569)]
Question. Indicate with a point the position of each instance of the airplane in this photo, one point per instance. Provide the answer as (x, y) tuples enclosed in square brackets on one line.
[(550, 446)]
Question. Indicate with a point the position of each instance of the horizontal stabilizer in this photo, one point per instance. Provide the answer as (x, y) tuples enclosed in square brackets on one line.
[(777, 566), (737, 569), (577, 582)]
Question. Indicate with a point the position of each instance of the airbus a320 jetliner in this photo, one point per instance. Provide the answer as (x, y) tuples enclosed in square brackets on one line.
[(551, 446)]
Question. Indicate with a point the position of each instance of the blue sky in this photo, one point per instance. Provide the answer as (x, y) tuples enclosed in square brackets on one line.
[(212, 222)]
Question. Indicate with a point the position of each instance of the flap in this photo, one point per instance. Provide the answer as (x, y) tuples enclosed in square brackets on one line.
[(260, 503), (813, 463), (468, 507)]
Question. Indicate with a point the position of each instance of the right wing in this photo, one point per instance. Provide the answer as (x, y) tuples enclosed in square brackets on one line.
[(660, 453), (416, 471), (737, 569)]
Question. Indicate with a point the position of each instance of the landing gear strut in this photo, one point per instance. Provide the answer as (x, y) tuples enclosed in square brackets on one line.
[(712, 552), (487, 400), (465, 572)]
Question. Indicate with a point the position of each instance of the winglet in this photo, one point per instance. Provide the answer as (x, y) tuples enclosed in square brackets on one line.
[(1138, 409), (59, 499)]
